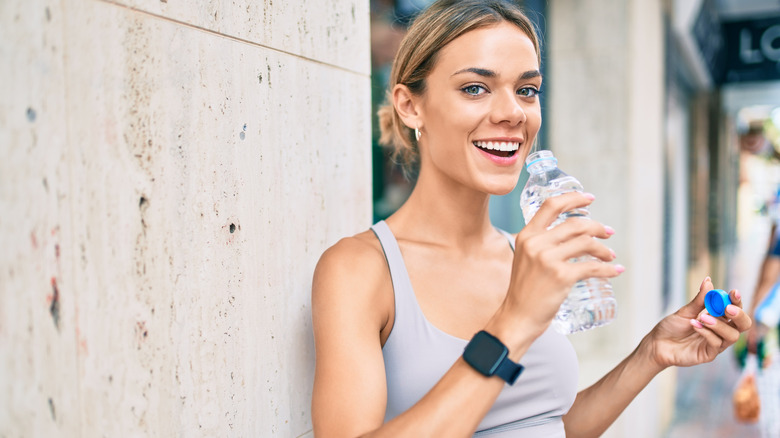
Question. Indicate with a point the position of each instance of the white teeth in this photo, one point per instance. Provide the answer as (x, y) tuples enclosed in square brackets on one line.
[(499, 145)]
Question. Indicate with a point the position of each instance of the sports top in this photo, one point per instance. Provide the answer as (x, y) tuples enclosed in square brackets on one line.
[(417, 354)]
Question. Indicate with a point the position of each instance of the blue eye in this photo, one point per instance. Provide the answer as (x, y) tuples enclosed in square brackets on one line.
[(528, 92), (473, 90)]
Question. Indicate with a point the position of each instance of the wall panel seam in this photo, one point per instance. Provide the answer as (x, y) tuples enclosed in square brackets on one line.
[(234, 38), (305, 433)]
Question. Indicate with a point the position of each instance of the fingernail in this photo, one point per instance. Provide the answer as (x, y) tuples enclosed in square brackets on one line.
[(737, 295), (732, 310), (620, 268), (590, 196), (609, 230), (696, 324), (707, 319), (707, 278), (613, 254)]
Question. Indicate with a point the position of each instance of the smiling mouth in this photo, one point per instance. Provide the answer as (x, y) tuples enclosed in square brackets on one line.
[(499, 148)]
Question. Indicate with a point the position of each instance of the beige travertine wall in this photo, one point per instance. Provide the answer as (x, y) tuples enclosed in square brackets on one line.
[(606, 105), (170, 173)]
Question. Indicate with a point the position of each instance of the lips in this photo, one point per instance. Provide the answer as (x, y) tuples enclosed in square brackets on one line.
[(499, 148)]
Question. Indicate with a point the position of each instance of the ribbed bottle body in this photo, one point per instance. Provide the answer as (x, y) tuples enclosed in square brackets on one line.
[(591, 302)]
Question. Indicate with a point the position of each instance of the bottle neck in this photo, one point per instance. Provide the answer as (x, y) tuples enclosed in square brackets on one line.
[(542, 165)]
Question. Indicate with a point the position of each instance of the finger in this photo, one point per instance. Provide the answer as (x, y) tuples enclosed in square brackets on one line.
[(582, 246), (553, 207), (738, 318), (577, 226), (592, 269), (728, 333), (736, 298), (709, 336), (697, 304)]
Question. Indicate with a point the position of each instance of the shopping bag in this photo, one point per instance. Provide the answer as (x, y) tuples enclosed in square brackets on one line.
[(747, 405)]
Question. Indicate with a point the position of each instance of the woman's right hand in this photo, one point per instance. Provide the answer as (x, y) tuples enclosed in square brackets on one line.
[(542, 273)]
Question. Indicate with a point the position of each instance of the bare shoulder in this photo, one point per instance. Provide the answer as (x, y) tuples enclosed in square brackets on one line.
[(352, 275), (352, 257)]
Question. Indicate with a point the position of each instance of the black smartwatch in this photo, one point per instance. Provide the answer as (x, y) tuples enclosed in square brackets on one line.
[(486, 354)]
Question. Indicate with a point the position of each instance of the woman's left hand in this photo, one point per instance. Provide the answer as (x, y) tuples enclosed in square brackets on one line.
[(692, 336)]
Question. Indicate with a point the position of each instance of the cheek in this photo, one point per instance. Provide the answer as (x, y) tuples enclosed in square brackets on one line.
[(457, 117), (453, 124), (534, 119)]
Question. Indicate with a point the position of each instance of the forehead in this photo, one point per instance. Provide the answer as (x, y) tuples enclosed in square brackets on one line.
[(502, 44)]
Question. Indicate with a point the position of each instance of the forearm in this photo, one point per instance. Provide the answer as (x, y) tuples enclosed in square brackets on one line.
[(454, 407), (770, 271), (598, 406), (761, 291), (459, 401)]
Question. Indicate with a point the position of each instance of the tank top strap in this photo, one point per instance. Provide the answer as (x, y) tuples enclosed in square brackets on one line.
[(509, 237), (395, 261), (402, 285)]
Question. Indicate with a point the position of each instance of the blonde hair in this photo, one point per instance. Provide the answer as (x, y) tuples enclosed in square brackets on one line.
[(433, 29)]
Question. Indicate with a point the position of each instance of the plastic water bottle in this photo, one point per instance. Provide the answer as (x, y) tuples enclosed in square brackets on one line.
[(591, 302)]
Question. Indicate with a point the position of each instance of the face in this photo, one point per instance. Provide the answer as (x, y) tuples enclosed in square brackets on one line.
[(480, 112)]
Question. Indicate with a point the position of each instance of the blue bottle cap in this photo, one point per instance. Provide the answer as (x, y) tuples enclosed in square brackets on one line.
[(716, 301)]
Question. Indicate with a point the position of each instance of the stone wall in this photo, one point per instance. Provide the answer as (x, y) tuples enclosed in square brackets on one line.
[(171, 172)]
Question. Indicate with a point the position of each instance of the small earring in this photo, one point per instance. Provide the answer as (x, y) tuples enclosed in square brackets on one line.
[(417, 134)]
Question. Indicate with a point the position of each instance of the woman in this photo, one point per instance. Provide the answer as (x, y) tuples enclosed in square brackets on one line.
[(394, 307)]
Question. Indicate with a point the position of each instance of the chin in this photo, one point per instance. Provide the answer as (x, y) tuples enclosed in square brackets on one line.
[(501, 186), (502, 192)]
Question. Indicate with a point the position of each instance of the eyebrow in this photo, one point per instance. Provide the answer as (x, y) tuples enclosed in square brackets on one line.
[(531, 74), (480, 71), (491, 74)]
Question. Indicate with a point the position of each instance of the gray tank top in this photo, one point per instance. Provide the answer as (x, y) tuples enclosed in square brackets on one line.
[(417, 355)]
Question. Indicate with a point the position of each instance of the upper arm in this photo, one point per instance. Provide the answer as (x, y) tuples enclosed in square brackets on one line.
[(350, 392), (770, 270), (770, 274)]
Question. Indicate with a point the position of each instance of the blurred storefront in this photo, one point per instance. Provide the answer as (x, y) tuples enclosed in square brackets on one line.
[(721, 176), (723, 78)]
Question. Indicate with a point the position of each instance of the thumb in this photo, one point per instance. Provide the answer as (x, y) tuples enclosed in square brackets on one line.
[(697, 304)]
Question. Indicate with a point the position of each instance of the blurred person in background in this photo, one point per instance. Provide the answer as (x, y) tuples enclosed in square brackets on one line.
[(762, 339)]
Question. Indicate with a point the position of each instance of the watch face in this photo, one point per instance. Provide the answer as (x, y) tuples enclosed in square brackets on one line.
[(485, 353)]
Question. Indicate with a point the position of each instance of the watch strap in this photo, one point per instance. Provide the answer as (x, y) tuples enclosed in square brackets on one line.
[(509, 371)]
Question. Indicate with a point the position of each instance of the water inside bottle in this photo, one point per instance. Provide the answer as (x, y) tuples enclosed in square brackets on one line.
[(591, 302)]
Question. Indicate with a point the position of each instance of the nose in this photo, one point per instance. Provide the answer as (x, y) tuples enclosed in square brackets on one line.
[(507, 108)]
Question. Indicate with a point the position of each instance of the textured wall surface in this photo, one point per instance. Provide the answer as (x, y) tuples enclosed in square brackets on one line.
[(171, 173), (606, 127)]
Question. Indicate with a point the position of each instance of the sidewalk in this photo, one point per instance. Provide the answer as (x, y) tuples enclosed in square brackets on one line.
[(703, 402)]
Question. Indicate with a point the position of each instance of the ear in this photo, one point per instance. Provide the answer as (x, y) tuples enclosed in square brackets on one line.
[(407, 105)]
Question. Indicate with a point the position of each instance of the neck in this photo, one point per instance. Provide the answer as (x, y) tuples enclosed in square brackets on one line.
[(444, 212)]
